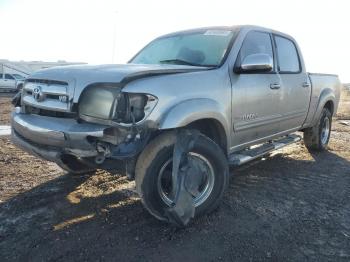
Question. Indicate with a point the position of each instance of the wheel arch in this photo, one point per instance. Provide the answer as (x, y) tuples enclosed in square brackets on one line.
[(213, 129), (327, 100), (203, 114), (330, 106)]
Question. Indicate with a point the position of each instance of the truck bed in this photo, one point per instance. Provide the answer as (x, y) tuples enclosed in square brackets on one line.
[(322, 85)]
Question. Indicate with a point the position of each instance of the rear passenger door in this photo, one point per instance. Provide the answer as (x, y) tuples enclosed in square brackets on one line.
[(295, 86)]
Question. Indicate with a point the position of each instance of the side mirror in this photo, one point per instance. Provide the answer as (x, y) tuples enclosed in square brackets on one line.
[(256, 63)]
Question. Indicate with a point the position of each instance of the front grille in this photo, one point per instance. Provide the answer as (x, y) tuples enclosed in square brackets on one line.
[(46, 95)]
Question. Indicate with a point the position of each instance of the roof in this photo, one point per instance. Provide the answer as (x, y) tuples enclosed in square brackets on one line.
[(231, 28)]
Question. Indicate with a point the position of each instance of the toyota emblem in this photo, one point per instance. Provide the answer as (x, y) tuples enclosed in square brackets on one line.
[(37, 94)]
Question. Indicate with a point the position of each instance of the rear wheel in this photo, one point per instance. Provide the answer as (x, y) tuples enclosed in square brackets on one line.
[(317, 137), (154, 170)]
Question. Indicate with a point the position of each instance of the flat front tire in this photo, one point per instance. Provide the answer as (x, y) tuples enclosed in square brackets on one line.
[(154, 167)]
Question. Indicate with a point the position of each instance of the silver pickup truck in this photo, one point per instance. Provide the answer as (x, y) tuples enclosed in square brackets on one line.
[(185, 108)]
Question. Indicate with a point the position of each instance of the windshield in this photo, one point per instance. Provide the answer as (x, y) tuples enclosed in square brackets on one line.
[(201, 48)]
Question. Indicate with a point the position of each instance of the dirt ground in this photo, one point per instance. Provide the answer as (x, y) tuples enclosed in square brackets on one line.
[(5, 108), (292, 206)]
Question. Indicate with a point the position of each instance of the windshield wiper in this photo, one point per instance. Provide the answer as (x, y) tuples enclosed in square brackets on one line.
[(180, 62)]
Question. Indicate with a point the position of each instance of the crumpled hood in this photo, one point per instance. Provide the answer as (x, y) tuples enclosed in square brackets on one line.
[(78, 77)]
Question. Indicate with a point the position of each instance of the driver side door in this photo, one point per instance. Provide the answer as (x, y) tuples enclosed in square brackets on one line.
[(256, 96)]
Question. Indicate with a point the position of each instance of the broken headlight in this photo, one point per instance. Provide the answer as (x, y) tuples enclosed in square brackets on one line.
[(110, 104), (133, 108)]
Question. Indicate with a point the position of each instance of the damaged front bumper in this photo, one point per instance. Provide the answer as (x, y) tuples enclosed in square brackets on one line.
[(41, 134), (51, 138)]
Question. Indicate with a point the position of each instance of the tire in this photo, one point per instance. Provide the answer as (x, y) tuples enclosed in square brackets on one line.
[(155, 156), (316, 138)]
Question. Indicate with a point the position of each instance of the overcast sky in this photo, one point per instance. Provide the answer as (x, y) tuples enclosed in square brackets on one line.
[(77, 30)]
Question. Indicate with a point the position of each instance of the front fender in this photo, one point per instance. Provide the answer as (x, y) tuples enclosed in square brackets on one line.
[(191, 110)]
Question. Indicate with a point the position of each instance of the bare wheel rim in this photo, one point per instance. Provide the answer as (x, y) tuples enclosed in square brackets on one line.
[(205, 189), (325, 131)]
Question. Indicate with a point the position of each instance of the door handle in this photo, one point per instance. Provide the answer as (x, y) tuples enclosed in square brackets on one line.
[(305, 84), (275, 86)]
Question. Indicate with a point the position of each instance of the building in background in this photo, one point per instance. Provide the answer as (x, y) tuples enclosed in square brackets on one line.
[(26, 68)]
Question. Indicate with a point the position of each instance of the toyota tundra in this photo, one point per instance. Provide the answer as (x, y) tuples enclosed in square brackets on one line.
[(179, 113)]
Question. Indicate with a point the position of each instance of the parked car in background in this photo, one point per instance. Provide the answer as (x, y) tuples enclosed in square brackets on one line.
[(11, 82)]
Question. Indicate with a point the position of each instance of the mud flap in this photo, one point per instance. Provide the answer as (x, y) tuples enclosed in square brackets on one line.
[(186, 179)]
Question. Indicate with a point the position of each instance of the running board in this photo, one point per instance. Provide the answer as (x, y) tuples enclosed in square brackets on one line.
[(247, 155)]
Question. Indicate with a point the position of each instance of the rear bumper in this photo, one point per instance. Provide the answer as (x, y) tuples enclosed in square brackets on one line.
[(50, 137)]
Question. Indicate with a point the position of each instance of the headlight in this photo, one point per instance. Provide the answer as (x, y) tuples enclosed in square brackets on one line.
[(98, 102), (109, 103)]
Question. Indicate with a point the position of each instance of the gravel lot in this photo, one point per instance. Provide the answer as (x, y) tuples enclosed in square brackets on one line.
[(293, 206)]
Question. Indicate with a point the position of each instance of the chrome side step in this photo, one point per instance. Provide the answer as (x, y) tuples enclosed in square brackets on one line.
[(247, 155)]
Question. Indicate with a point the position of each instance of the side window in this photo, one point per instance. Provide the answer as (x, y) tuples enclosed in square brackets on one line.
[(256, 43), (8, 76), (287, 55)]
